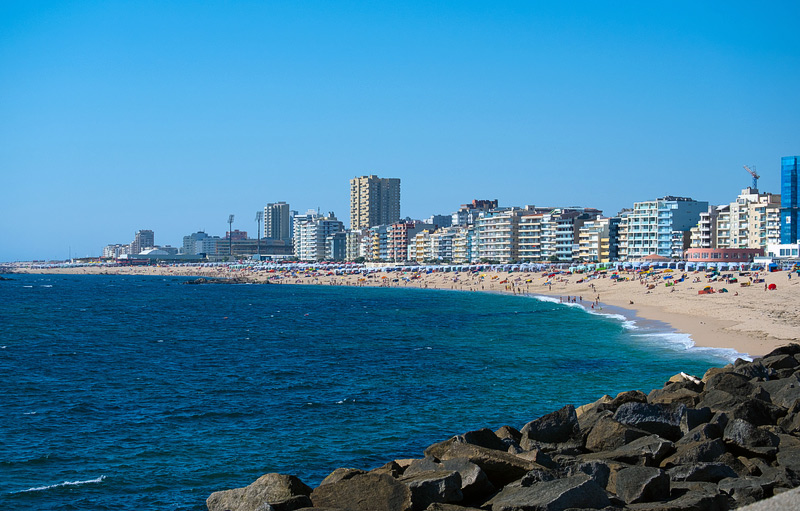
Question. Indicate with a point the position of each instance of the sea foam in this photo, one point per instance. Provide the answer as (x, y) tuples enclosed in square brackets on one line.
[(65, 483)]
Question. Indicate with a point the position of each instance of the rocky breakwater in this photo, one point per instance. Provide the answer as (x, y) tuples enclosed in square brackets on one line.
[(716, 443)]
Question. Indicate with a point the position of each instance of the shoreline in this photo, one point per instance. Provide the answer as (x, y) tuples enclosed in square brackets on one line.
[(747, 319)]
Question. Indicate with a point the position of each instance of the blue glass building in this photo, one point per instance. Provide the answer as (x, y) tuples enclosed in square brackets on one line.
[(789, 214)]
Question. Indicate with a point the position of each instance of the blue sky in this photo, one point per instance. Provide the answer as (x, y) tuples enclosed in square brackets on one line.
[(119, 116)]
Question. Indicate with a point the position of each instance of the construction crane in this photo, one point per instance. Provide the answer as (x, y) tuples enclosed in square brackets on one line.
[(755, 176)]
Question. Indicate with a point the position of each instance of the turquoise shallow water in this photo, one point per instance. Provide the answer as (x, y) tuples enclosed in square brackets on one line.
[(144, 393)]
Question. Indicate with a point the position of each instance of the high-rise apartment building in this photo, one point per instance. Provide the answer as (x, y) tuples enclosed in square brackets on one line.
[(278, 221), (311, 236), (653, 227), (142, 239), (790, 216), (374, 201)]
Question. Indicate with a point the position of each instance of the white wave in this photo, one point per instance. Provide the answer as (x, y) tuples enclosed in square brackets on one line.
[(543, 298), (676, 340), (627, 323), (47, 285), (27, 286), (683, 341), (65, 483)]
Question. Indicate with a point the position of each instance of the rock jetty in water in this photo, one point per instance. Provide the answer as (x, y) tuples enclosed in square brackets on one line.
[(720, 442)]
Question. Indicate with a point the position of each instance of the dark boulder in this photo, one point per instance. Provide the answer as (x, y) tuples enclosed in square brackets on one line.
[(709, 472), (748, 439), (485, 438), (556, 427), (757, 412), (500, 467), (392, 468), (558, 495), (788, 349), (695, 417), (340, 474), (482, 438), (422, 465), (630, 396), (475, 485), (658, 419), (671, 395), (718, 400), (599, 471), (746, 490), (696, 452), (789, 458), (608, 434), (642, 484), (509, 436), (433, 486), (784, 392), (276, 492), (648, 450), (784, 361), (364, 492), (755, 371), (701, 433), (539, 457)]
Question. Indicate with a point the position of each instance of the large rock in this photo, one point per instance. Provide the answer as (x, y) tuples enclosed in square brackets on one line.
[(578, 492), (718, 400), (784, 392), (691, 500), (483, 438), (701, 433), (746, 438), (661, 420), (500, 467), (642, 484), (270, 492), (694, 417), (648, 450), (475, 484), (599, 471), (554, 428), (746, 490), (671, 395), (696, 452), (629, 396), (757, 412), (734, 384), (789, 458), (364, 492), (709, 472), (433, 486), (340, 474), (608, 434), (787, 349)]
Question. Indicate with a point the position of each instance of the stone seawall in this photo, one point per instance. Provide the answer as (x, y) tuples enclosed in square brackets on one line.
[(729, 439)]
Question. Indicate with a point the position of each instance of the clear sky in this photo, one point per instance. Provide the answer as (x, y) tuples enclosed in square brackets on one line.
[(119, 116)]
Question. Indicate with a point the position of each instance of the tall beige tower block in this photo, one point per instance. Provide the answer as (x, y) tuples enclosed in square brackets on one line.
[(374, 201)]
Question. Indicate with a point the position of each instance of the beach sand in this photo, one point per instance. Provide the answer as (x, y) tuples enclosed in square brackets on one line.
[(747, 319)]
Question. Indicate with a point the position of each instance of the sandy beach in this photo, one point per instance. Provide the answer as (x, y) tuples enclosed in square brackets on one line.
[(748, 318)]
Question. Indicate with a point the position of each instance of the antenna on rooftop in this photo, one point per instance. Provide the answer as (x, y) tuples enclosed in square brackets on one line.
[(752, 172)]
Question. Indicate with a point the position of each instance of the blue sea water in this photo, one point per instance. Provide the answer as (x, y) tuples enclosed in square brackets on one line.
[(132, 393)]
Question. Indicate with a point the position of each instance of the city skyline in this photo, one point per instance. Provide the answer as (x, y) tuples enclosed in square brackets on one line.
[(118, 118)]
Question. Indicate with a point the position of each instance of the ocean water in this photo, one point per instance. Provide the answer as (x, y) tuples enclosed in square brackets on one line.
[(132, 393)]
